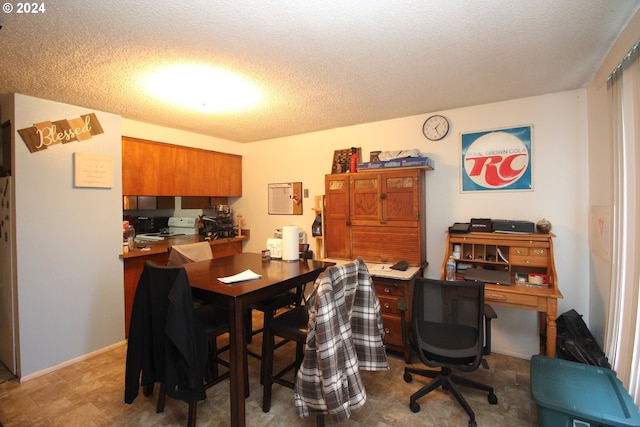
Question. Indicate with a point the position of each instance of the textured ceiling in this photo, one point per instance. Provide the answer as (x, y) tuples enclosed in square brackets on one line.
[(319, 64)]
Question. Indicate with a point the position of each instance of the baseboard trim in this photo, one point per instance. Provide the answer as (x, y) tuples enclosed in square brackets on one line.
[(70, 362)]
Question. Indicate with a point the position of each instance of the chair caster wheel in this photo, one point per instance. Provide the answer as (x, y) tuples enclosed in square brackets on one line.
[(407, 377), (414, 406), (493, 399), (472, 423)]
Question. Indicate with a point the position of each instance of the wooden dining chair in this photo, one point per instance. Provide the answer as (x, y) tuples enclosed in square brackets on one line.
[(343, 297), (190, 252), (170, 342), (270, 307), (289, 326)]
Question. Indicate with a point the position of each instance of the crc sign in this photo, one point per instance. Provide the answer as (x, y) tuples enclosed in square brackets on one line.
[(497, 160)]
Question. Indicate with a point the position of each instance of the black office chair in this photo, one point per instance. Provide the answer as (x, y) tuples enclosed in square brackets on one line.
[(170, 342), (448, 332), (270, 307)]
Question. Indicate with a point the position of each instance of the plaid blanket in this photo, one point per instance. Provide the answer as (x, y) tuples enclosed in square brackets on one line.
[(345, 335)]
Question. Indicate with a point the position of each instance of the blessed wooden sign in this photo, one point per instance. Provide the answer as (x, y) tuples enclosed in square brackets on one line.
[(42, 135)]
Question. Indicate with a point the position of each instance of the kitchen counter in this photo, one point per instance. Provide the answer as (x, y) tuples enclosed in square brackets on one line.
[(158, 252), (162, 246)]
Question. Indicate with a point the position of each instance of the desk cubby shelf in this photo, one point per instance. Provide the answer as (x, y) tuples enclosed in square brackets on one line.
[(518, 254)]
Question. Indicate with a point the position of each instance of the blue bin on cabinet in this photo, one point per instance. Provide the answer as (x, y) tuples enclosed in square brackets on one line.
[(572, 394)]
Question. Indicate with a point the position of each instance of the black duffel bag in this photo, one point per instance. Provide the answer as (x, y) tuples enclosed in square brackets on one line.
[(575, 342)]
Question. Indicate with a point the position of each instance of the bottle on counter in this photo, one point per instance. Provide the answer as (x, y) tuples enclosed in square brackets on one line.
[(131, 235), (451, 269)]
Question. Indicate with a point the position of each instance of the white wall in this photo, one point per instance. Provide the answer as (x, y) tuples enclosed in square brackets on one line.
[(601, 173), (70, 281), (560, 181)]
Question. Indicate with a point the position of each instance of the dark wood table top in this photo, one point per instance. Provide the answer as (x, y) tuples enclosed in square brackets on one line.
[(277, 276), (205, 274)]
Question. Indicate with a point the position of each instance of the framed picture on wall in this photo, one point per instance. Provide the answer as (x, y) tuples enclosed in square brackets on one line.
[(497, 160)]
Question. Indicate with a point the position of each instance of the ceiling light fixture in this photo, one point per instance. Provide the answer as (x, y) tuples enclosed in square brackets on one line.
[(202, 88)]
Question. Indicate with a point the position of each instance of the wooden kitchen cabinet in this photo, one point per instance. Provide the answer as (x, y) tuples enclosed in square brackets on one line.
[(157, 169), (378, 215)]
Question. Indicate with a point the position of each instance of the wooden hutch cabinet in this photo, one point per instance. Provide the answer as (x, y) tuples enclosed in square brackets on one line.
[(520, 255), (379, 216)]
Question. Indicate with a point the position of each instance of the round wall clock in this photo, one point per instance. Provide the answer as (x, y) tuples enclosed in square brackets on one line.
[(435, 127)]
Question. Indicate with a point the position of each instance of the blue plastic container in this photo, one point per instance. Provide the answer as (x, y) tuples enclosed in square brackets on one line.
[(576, 395)]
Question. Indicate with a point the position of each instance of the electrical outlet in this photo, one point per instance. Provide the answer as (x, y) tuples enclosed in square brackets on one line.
[(306, 193)]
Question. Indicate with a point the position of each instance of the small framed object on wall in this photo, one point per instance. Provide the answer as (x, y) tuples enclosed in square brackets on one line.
[(285, 198), (91, 170)]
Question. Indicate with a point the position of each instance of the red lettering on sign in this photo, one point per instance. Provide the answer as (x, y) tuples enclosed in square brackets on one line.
[(498, 170)]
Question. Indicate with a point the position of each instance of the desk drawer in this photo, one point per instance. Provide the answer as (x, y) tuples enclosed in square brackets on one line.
[(392, 330), (509, 298), (517, 250), (529, 260), (389, 288), (389, 304)]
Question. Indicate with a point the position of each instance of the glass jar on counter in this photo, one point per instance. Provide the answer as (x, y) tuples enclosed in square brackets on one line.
[(128, 236)]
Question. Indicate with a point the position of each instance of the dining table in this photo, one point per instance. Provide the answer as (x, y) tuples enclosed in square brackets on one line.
[(275, 276)]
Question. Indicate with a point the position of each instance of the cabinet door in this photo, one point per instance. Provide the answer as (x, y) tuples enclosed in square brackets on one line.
[(401, 198), (142, 170), (336, 216), (156, 169), (225, 175), (366, 203)]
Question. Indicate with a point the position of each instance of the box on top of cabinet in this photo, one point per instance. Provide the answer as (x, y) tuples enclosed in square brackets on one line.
[(399, 163)]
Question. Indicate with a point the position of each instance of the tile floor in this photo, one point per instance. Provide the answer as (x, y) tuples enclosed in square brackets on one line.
[(90, 393)]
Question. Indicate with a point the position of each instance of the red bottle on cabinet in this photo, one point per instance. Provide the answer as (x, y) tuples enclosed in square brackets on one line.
[(354, 159)]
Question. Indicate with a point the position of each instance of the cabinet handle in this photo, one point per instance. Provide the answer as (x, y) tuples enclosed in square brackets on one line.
[(387, 290), (527, 261), (386, 305), (387, 331), (495, 297), (538, 251)]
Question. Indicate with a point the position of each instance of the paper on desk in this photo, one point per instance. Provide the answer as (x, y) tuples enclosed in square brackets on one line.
[(385, 270), (240, 277), (378, 268)]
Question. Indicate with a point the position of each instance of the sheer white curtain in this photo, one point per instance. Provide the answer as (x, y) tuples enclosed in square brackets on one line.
[(622, 341)]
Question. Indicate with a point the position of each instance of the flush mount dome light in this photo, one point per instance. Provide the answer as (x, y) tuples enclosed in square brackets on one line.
[(202, 88)]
